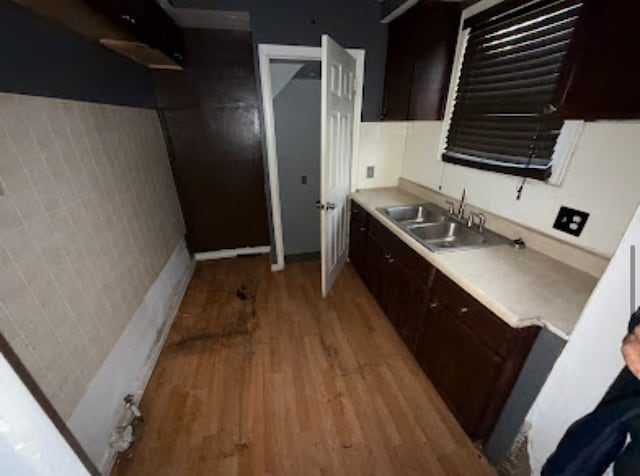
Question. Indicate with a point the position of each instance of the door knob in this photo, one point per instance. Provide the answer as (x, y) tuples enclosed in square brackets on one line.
[(319, 205), (331, 206)]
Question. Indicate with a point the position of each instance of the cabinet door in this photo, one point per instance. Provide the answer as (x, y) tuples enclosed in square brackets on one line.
[(463, 371), (358, 246), (599, 79), (398, 74), (407, 302), (420, 53), (381, 276)]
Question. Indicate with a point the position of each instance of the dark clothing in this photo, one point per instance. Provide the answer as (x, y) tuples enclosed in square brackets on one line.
[(598, 439)]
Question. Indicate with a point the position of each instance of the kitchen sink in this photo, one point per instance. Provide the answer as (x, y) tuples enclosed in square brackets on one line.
[(448, 234), (421, 213), (437, 230)]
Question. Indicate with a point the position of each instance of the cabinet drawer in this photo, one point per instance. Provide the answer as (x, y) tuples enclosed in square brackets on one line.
[(488, 328), (418, 267)]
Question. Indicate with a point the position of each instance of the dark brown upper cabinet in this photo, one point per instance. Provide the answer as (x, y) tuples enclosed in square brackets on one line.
[(601, 74), (146, 21), (421, 49)]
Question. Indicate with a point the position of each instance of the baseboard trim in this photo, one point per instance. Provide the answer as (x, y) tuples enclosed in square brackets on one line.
[(110, 456), (130, 363), (232, 253)]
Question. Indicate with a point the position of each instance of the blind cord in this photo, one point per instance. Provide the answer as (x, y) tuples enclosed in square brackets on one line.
[(532, 154), (519, 191)]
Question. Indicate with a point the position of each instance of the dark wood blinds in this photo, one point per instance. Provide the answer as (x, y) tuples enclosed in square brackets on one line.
[(503, 115)]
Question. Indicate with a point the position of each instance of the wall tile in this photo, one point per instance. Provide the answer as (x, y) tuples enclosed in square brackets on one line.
[(88, 219)]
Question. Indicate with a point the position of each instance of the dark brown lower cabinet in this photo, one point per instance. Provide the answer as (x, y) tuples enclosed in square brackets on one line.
[(470, 355), (358, 238), (460, 367)]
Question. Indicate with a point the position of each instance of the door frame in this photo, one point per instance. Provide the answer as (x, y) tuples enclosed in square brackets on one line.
[(267, 52)]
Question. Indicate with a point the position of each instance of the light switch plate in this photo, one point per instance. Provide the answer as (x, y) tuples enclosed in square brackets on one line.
[(571, 221), (370, 171)]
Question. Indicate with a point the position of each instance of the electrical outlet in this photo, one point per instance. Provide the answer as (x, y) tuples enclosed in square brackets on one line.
[(370, 171), (571, 221)]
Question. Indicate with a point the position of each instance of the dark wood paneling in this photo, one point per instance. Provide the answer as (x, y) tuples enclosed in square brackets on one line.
[(212, 121), (420, 54)]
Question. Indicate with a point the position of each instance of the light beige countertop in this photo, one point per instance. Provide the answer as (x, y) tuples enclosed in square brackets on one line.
[(522, 287)]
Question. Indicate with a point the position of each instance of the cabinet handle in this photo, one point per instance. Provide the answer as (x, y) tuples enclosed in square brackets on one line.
[(464, 310), (433, 305), (363, 229)]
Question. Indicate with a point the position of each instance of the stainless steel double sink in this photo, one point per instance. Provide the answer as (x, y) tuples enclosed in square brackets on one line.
[(437, 230)]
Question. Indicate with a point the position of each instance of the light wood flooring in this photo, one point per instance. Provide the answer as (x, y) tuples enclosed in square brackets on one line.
[(261, 376)]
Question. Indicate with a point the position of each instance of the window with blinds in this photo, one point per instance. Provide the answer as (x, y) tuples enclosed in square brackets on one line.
[(503, 117)]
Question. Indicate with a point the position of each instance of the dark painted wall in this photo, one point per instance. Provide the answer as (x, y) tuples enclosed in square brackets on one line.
[(353, 24), (41, 58)]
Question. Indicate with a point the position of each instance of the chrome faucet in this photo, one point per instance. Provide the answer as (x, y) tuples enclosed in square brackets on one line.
[(463, 202), (480, 218)]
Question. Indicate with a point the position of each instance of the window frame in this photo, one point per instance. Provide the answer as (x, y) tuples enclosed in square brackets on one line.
[(569, 134)]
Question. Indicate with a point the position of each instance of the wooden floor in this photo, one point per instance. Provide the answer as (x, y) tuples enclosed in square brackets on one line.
[(260, 375)]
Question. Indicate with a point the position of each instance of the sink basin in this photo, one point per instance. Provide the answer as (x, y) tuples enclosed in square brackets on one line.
[(420, 213), (448, 234), (435, 229)]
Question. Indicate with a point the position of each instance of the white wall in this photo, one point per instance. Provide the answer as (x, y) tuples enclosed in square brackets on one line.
[(129, 365), (381, 146), (601, 179), (23, 451), (591, 360)]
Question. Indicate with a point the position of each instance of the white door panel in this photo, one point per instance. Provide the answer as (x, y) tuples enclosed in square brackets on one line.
[(337, 129)]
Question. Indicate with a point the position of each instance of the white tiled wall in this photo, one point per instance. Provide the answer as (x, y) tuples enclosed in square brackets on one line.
[(88, 217)]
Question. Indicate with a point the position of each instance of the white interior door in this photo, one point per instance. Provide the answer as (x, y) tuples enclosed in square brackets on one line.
[(336, 151)]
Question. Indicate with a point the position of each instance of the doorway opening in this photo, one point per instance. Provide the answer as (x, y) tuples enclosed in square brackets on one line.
[(295, 86), (290, 73)]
